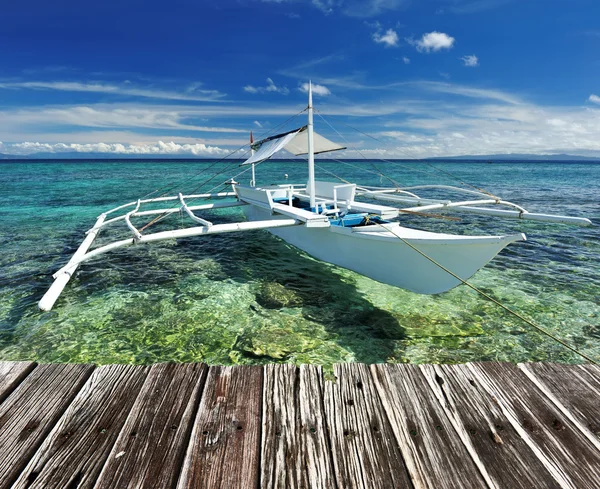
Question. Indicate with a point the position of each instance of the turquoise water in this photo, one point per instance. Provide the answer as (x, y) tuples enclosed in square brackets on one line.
[(251, 298)]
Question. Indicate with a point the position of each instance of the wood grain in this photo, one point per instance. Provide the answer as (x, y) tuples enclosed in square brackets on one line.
[(86, 432), (560, 445), (224, 450), (149, 451), (502, 456), (434, 453), (31, 411), (317, 462), (365, 452), (295, 451), (574, 389), (281, 445), (11, 375)]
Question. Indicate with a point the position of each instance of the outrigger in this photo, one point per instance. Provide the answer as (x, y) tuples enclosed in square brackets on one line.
[(337, 223)]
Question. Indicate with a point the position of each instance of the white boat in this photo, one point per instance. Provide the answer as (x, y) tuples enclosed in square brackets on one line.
[(334, 222)]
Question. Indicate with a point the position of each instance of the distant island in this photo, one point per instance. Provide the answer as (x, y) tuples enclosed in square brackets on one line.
[(113, 156)]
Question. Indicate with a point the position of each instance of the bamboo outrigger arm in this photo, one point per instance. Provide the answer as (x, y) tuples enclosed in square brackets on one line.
[(63, 276), (421, 204)]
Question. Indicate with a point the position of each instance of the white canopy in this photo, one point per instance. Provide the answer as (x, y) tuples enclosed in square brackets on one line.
[(296, 142)]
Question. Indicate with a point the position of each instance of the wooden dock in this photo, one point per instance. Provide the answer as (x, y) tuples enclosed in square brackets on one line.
[(480, 425)]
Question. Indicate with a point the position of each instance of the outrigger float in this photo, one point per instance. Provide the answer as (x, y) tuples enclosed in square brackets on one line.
[(334, 222)]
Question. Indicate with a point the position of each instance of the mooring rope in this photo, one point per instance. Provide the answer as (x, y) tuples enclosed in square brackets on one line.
[(481, 292), (492, 299)]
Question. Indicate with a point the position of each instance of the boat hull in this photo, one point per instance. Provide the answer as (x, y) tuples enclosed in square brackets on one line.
[(384, 255)]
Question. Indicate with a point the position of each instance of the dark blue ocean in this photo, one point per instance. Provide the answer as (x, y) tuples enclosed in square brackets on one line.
[(251, 298)]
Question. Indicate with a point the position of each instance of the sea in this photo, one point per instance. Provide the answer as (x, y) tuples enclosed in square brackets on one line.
[(250, 298)]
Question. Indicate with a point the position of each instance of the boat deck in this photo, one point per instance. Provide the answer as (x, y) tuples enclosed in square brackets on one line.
[(477, 425)]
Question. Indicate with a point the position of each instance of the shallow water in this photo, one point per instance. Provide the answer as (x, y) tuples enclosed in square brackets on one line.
[(250, 298)]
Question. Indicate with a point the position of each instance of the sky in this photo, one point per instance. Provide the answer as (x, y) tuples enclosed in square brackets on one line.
[(391, 78)]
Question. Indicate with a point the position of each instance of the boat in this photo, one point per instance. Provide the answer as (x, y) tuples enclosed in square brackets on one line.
[(349, 225)]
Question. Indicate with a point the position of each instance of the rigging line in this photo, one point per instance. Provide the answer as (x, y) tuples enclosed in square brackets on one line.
[(223, 184), (414, 213), (332, 174), (378, 173), (165, 214), (359, 152), (492, 299), (160, 217), (187, 179), (422, 161)]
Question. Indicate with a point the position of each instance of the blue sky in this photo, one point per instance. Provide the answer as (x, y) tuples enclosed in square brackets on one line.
[(425, 78)]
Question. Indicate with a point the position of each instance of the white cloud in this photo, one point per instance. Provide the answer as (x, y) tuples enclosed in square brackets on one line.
[(192, 93), (270, 87), (594, 98), (325, 6), (390, 38), (470, 60), (371, 8), (406, 60), (169, 117), (317, 89), (157, 148), (258, 124), (433, 41), (471, 92)]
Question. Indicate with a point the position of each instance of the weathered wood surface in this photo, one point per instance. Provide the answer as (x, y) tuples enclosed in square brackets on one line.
[(11, 375), (365, 451), (295, 443), (434, 454), (281, 456), (575, 389), (280, 426), (224, 449), (150, 448), (31, 411), (504, 458), (86, 432), (563, 449), (317, 468)]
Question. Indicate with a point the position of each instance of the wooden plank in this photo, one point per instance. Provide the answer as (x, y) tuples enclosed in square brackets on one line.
[(317, 468), (563, 449), (11, 375), (281, 449), (224, 450), (149, 451), (574, 389), (434, 453), (295, 446), (32, 410), (503, 457), (86, 433), (365, 452)]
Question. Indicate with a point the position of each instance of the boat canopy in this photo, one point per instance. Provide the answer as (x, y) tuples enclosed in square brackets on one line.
[(296, 142)]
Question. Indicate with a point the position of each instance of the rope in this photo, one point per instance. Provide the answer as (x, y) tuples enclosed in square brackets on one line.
[(160, 217), (412, 157), (183, 181), (495, 301), (473, 287), (414, 213)]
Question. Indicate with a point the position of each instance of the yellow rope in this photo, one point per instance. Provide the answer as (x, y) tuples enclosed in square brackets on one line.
[(495, 301), (481, 292)]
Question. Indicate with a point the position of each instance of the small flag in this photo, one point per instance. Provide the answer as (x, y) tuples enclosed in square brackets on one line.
[(251, 138)]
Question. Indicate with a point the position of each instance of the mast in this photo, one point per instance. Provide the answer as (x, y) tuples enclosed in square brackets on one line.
[(253, 181), (311, 152)]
